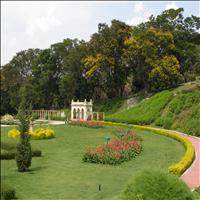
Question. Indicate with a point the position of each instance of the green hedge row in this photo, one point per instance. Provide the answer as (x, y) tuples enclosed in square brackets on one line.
[(7, 192), (7, 155)]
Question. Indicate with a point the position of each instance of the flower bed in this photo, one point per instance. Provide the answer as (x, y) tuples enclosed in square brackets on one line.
[(89, 123), (39, 133), (185, 161), (115, 152)]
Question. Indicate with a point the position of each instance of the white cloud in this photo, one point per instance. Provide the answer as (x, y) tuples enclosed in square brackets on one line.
[(43, 23), (39, 24), (171, 5), (140, 14), (139, 6)]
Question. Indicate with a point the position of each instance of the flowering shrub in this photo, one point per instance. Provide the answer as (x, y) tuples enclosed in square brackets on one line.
[(89, 123), (8, 120), (14, 133), (185, 161), (115, 152), (42, 133), (7, 117), (39, 133)]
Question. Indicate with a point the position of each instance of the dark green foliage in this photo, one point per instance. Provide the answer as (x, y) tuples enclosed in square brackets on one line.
[(156, 185), (23, 154), (109, 106), (8, 155), (8, 151), (36, 153), (7, 192)]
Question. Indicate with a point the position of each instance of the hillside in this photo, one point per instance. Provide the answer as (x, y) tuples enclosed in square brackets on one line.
[(172, 109)]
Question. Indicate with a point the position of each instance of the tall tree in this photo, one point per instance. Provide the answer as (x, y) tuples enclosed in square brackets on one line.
[(186, 37), (103, 65), (24, 155), (145, 50)]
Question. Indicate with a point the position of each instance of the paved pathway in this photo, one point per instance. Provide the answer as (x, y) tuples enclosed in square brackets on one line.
[(45, 122), (192, 175)]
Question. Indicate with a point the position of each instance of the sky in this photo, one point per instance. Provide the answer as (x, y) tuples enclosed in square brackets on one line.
[(38, 24)]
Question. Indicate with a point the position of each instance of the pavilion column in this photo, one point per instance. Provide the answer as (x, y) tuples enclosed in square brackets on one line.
[(97, 116)]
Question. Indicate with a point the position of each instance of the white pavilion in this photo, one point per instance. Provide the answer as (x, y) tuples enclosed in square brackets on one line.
[(82, 110)]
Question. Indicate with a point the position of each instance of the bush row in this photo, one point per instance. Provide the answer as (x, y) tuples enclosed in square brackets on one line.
[(39, 133), (8, 155), (189, 155), (7, 192)]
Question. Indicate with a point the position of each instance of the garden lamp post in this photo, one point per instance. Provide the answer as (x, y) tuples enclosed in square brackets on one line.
[(107, 139)]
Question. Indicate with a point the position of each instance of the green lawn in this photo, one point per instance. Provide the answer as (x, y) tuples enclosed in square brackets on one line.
[(61, 174)]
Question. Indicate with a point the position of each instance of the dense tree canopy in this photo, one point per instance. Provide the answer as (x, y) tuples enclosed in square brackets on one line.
[(118, 61)]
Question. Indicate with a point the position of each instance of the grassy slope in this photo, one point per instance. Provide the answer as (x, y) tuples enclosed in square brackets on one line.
[(177, 109), (60, 173)]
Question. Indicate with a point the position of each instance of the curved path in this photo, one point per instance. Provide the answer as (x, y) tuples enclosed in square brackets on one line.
[(192, 175)]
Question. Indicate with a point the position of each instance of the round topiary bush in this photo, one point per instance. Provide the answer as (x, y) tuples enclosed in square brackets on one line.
[(156, 185)]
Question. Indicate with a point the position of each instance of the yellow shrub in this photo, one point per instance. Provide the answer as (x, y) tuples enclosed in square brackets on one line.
[(42, 133), (185, 161), (39, 133), (13, 133)]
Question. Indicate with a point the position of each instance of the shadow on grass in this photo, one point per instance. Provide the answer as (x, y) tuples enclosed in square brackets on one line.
[(34, 169)]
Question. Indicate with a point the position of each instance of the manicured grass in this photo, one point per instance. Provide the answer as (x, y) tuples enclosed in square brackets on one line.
[(61, 174)]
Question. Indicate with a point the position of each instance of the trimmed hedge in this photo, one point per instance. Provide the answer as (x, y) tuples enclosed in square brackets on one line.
[(7, 192), (8, 155), (186, 160)]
